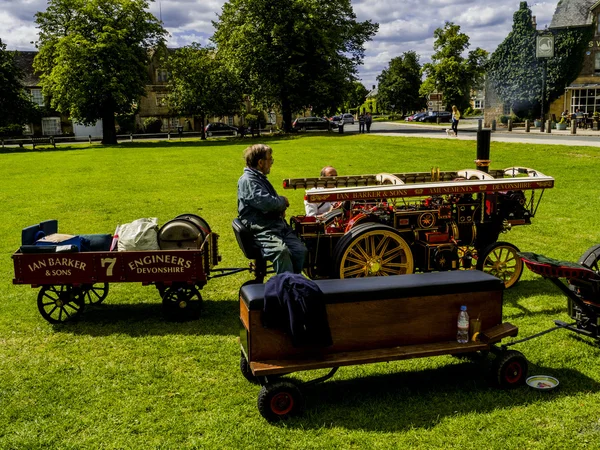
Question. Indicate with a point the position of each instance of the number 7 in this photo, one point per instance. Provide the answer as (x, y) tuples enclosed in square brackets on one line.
[(111, 263)]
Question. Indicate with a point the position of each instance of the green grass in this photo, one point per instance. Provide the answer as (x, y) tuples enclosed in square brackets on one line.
[(122, 377)]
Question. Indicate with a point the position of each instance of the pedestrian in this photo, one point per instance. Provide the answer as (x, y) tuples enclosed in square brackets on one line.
[(361, 123), (455, 119), (368, 122)]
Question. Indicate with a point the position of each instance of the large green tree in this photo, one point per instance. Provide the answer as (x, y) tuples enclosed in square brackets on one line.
[(15, 106), (356, 96), (93, 57), (399, 84), (202, 85), (516, 74), (450, 72), (293, 53)]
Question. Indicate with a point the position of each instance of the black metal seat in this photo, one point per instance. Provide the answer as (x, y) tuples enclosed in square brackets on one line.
[(245, 240)]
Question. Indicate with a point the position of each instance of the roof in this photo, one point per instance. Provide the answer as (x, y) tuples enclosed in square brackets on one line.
[(373, 93), (573, 13)]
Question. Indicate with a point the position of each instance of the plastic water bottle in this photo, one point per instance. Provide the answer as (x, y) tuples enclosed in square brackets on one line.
[(462, 336)]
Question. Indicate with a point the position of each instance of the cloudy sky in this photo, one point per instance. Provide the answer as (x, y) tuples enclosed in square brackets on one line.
[(403, 24)]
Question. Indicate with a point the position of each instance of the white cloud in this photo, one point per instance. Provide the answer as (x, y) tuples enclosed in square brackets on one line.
[(403, 25)]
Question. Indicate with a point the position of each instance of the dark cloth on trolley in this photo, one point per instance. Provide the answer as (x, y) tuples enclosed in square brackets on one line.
[(295, 304)]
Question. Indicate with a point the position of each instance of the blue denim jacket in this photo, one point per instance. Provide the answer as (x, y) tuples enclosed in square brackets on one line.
[(259, 206)]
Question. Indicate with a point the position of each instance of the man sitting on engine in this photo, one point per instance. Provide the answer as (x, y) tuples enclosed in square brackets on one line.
[(263, 211), (316, 209)]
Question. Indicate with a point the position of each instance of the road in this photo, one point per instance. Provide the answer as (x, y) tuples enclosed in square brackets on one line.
[(467, 130)]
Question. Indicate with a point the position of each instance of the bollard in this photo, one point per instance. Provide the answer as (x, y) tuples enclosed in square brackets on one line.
[(2, 143), (89, 138), (509, 125), (527, 126), (341, 127), (169, 135), (548, 126), (542, 126), (573, 126), (483, 150), (130, 137), (494, 125), (479, 124)]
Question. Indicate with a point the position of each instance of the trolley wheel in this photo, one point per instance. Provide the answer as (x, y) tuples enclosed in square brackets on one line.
[(372, 249), (60, 303), (591, 258), (509, 369), (181, 303), (245, 368), (280, 401), (501, 260), (94, 293)]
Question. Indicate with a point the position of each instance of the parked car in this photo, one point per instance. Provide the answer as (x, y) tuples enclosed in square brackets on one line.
[(348, 118), (313, 123), (444, 116), (220, 129), (415, 117)]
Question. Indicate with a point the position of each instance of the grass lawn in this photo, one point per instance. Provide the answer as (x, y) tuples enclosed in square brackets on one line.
[(122, 377)]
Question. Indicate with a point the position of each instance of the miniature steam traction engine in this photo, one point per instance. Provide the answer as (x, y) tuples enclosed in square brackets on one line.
[(389, 224)]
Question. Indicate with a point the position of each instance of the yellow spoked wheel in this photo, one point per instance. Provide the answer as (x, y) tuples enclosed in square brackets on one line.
[(371, 250), (501, 260)]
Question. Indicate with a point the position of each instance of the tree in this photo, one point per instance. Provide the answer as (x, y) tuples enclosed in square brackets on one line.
[(15, 106), (399, 84), (201, 85), (93, 57), (516, 74), (293, 53), (356, 96), (449, 72)]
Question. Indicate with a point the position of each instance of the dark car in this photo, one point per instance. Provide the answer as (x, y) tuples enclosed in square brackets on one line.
[(220, 129), (415, 117), (313, 123), (444, 116)]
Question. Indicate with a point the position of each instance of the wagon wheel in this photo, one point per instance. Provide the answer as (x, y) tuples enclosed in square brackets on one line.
[(501, 260), (280, 401), (94, 293), (181, 303), (246, 371), (591, 258), (60, 303), (372, 249), (509, 369), (467, 257)]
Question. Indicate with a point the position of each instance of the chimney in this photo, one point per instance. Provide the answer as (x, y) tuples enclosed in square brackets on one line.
[(373, 88), (533, 23)]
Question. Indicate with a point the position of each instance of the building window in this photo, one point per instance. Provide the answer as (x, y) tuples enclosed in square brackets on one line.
[(37, 97), (586, 100), (161, 100), (27, 129), (230, 120), (162, 76), (51, 126), (506, 109), (478, 104)]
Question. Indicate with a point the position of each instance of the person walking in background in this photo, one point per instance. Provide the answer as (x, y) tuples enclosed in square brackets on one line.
[(368, 122), (455, 119), (361, 123)]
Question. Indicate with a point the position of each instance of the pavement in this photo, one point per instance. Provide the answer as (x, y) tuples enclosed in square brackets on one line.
[(467, 130)]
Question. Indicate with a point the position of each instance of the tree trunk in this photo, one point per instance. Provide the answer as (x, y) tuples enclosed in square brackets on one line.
[(109, 131), (203, 135), (286, 111)]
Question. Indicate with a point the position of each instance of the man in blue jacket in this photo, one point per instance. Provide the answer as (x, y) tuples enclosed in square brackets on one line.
[(263, 211)]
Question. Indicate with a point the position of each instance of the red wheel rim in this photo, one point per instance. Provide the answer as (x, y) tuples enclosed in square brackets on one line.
[(282, 403), (513, 372)]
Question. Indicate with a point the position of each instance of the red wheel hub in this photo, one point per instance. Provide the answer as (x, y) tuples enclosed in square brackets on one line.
[(513, 372), (282, 403)]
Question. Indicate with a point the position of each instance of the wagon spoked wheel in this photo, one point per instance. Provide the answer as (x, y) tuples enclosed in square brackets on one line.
[(510, 369), (95, 293), (181, 303), (60, 303), (372, 249), (280, 401), (502, 261)]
